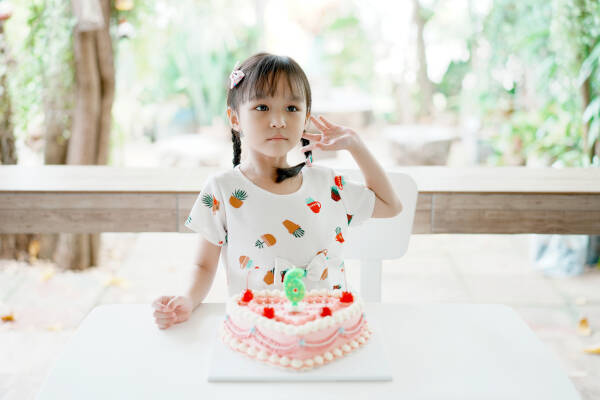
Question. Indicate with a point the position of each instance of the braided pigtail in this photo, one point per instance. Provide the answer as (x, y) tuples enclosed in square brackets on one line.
[(237, 147), (285, 173)]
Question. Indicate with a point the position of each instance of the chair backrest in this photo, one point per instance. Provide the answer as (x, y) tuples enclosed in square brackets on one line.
[(380, 239), (384, 238)]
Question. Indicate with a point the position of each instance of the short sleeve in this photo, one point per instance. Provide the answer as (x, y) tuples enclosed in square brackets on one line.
[(358, 199), (207, 216)]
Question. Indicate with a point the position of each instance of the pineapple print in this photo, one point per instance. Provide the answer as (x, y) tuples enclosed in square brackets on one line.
[(211, 201), (324, 274), (335, 194), (237, 198), (269, 277), (324, 251), (339, 181), (338, 235), (315, 206), (266, 238), (294, 229), (338, 286)]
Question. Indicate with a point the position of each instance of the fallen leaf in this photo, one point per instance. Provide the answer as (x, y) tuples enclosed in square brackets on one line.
[(8, 318), (55, 327), (48, 274), (581, 301), (117, 281), (584, 327), (593, 350)]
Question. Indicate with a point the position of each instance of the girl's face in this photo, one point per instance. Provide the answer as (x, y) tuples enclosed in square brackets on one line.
[(271, 126)]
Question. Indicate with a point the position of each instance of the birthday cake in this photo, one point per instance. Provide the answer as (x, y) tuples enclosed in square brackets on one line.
[(294, 329)]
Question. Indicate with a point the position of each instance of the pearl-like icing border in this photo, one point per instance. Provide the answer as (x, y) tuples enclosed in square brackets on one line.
[(296, 364)]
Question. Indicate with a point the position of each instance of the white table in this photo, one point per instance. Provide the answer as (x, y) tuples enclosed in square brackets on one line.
[(446, 351)]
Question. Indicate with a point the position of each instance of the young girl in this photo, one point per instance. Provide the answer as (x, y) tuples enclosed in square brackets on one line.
[(264, 216)]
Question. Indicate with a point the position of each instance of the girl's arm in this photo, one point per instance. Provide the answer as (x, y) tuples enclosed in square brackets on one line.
[(207, 261), (169, 310), (387, 203), (336, 137)]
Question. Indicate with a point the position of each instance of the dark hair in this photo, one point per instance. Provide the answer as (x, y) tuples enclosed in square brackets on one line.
[(261, 75)]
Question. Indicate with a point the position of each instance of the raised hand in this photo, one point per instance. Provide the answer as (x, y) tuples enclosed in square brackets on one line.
[(332, 136), (170, 310)]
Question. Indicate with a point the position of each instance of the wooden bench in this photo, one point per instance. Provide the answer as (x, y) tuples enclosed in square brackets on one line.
[(501, 200)]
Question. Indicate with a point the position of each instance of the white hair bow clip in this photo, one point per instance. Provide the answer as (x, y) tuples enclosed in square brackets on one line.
[(236, 76)]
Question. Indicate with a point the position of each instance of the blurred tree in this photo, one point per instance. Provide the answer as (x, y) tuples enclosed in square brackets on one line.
[(421, 16), (94, 95), (11, 245)]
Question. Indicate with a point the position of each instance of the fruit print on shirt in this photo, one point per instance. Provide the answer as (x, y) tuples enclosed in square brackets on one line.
[(267, 239), (237, 198), (293, 228), (210, 201), (339, 181), (338, 235), (335, 194), (315, 206)]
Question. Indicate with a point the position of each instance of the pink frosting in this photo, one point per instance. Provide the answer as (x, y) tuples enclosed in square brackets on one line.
[(299, 347), (310, 312)]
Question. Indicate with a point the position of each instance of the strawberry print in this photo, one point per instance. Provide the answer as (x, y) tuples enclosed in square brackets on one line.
[(339, 181), (315, 206), (211, 201), (349, 216), (338, 235), (335, 194), (282, 273)]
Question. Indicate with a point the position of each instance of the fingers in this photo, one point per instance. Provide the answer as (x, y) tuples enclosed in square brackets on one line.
[(312, 136), (164, 319), (175, 302), (310, 147), (327, 123), (318, 124), (164, 314)]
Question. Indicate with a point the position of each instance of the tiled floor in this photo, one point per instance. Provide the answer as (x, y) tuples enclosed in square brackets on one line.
[(48, 305)]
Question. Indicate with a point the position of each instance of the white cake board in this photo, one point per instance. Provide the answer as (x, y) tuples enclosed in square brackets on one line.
[(367, 363)]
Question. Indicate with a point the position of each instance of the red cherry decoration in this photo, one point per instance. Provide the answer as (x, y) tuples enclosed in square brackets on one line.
[(346, 297), (325, 311), (269, 312), (247, 296)]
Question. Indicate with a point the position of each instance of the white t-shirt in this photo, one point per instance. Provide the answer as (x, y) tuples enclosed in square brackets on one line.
[(263, 234)]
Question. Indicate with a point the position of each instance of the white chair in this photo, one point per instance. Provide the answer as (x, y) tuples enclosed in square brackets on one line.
[(379, 239)]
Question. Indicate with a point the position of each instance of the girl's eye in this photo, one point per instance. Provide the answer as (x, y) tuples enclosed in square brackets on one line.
[(261, 107), (292, 108)]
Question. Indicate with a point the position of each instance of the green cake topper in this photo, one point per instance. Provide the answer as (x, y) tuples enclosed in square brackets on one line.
[(294, 286)]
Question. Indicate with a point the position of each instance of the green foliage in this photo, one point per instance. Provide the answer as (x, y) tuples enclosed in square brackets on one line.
[(43, 74), (192, 56), (347, 51), (548, 47)]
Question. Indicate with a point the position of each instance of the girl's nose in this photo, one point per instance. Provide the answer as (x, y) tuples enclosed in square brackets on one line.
[(277, 122)]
